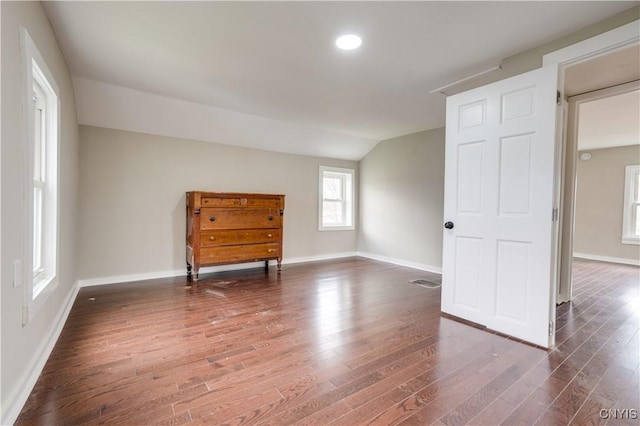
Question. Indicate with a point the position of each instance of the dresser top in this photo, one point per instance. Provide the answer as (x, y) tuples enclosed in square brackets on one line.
[(197, 199), (233, 194)]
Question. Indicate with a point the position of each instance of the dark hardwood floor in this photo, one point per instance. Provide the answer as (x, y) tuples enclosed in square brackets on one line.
[(345, 342)]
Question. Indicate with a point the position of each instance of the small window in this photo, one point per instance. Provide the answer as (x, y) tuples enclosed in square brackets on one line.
[(42, 139), (336, 198), (631, 213)]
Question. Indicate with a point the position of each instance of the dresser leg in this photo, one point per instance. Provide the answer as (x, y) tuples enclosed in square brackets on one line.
[(266, 265), (279, 265)]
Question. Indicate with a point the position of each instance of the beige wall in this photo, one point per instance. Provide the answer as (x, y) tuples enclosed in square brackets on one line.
[(402, 198), (132, 188), (23, 348), (599, 201), (531, 59)]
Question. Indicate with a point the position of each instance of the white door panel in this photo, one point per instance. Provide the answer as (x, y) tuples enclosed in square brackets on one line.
[(499, 187)]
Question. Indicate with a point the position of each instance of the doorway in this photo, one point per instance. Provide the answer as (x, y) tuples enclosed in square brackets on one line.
[(593, 89)]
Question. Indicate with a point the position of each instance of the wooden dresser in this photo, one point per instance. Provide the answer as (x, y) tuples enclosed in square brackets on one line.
[(225, 228)]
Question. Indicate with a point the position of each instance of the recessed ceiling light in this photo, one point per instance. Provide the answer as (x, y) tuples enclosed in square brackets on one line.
[(348, 42)]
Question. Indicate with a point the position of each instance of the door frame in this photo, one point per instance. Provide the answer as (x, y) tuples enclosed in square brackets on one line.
[(603, 44)]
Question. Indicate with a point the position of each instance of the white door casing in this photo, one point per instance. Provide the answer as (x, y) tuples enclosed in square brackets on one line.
[(603, 44), (499, 194)]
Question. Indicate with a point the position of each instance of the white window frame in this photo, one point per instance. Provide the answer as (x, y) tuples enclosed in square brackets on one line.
[(629, 217), (347, 177), (40, 279)]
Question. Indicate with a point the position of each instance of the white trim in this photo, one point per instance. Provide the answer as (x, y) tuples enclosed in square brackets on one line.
[(606, 92), (14, 283), (610, 41), (117, 279), (402, 262), (633, 262), (441, 90), (320, 257), (630, 175), (631, 240), (18, 397)]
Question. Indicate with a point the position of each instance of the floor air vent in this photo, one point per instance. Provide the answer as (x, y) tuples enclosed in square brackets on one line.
[(425, 283)]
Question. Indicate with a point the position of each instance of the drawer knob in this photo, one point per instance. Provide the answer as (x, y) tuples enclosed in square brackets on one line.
[(270, 217), (212, 218), (212, 238), (269, 235), (271, 250)]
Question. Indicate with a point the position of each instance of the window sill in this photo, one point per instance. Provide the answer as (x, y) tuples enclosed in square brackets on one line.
[(337, 228), (631, 240)]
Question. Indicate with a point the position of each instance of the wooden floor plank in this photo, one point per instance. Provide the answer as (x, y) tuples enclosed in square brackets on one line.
[(341, 342)]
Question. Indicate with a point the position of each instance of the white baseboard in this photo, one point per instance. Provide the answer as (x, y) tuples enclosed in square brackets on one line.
[(116, 279), (401, 262), (319, 258), (634, 262), (18, 397)]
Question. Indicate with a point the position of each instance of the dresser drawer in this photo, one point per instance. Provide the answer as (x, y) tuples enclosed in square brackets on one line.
[(265, 202), (239, 201), (248, 236), (220, 202), (244, 253), (212, 218)]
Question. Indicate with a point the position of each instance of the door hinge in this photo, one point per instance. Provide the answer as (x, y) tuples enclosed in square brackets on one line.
[(558, 98), (550, 328), (554, 214)]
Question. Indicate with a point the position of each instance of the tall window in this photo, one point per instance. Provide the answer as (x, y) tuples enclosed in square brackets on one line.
[(42, 118), (631, 213), (336, 204)]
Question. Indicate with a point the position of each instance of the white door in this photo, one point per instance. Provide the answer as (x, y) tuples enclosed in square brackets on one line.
[(499, 201)]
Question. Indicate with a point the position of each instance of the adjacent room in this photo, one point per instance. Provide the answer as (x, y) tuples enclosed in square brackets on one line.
[(288, 213), (608, 149)]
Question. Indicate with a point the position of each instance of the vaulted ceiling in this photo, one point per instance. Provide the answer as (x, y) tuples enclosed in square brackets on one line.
[(277, 60)]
